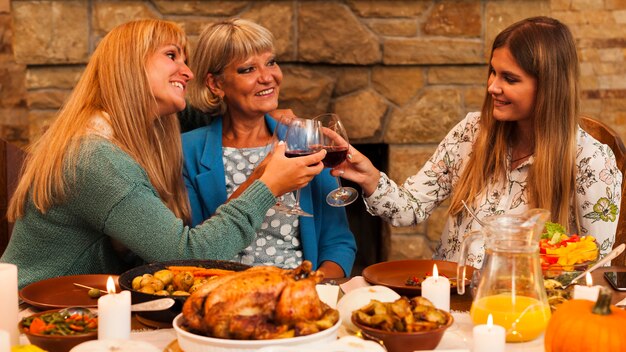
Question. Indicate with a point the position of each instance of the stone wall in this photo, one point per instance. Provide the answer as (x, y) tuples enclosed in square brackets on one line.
[(398, 72)]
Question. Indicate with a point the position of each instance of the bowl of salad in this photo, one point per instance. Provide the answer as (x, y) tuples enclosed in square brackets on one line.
[(560, 253), (59, 330)]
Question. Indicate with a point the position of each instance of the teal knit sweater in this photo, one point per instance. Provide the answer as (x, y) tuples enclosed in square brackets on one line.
[(112, 198)]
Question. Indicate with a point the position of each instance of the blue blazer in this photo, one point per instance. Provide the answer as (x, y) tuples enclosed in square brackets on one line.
[(325, 236)]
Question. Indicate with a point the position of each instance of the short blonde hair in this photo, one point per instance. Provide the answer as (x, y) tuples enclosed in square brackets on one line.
[(218, 45)]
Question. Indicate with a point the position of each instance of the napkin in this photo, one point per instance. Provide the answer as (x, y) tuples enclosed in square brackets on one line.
[(328, 294), (354, 283)]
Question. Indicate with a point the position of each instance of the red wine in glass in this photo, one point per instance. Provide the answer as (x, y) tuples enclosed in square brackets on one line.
[(334, 139), (297, 153), (334, 155)]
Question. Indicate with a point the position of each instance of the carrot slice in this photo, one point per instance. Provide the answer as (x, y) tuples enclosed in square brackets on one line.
[(212, 272), (37, 326)]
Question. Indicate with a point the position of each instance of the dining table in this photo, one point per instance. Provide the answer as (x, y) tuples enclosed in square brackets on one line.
[(456, 338)]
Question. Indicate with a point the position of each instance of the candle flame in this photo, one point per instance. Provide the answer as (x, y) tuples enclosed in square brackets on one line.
[(589, 280), (110, 285), (435, 272), (489, 321)]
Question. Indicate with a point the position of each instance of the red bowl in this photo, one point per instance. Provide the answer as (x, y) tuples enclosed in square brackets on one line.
[(56, 343), (406, 341)]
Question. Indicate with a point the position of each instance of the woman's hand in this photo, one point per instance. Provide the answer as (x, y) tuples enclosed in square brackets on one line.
[(283, 174), (358, 168)]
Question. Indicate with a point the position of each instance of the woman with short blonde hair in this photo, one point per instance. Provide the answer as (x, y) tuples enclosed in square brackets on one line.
[(237, 89)]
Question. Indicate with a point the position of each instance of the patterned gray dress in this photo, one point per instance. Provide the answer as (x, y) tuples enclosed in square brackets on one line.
[(277, 242)]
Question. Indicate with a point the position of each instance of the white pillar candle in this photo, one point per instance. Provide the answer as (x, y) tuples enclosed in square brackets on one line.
[(114, 314), (9, 302), (588, 292), (437, 290), (488, 337), (5, 341)]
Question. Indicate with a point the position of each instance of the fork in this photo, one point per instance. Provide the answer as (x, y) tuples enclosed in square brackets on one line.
[(471, 212)]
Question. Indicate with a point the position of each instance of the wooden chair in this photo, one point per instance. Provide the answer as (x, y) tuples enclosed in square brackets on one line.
[(608, 136), (11, 159)]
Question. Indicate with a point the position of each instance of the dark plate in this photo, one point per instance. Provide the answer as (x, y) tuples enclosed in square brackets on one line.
[(167, 316), (394, 274), (60, 292)]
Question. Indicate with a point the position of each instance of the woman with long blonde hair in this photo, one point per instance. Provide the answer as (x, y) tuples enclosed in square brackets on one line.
[(524, 150), (102, 189)]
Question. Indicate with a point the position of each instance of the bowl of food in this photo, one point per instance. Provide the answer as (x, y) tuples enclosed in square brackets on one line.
[(258, 307), (176, 279), (561, 254), (419, 326), (59, 330)]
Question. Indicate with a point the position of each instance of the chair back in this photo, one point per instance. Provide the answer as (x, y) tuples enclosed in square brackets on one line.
[(11, 160), (608, 136)]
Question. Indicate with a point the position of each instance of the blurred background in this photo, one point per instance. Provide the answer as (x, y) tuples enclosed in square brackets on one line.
[(399, 73)]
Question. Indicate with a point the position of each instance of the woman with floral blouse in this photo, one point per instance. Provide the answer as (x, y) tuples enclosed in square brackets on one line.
[(524, 150)]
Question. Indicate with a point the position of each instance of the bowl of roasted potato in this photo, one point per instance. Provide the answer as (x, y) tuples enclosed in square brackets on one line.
[(404, 325), (176, 279)]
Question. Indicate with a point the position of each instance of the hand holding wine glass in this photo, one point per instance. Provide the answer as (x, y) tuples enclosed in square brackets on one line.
[(334, 139), (300, 140)]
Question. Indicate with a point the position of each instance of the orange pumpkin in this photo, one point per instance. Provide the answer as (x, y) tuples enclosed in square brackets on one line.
[(585, 326)]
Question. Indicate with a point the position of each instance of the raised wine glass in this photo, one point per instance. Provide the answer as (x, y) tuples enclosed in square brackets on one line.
[(301, 138), (280, 132), (334, 139)]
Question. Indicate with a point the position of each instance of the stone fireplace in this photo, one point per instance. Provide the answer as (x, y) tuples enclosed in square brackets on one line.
[(399, 73)]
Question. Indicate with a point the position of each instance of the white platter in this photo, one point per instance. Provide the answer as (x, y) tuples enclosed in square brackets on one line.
[(189, 342)]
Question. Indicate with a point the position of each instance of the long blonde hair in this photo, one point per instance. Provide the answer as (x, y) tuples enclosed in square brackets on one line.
[(115, 81), (220, 44), (545, 49)]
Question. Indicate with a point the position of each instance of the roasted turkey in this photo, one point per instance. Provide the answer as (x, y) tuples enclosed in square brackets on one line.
[(262, 302)]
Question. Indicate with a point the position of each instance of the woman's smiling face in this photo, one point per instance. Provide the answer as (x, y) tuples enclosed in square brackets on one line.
[(249, 87), (512, 89), (168, 76)]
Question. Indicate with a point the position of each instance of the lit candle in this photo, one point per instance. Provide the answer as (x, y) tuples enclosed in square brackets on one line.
[(9, 302), (488, 337), (437, 290), (114, 314), (588, 292)]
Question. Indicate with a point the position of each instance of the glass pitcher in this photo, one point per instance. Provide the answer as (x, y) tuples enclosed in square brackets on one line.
[(510, 287)]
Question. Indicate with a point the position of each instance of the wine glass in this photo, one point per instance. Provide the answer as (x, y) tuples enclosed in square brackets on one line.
[(280, 131), (301, 138), (334, 139)]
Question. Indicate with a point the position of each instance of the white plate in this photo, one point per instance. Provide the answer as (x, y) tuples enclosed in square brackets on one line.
[(189, 342), (344, 344)]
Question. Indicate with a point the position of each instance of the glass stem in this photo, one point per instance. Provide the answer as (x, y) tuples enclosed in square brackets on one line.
[(297, 205), (340, 190)]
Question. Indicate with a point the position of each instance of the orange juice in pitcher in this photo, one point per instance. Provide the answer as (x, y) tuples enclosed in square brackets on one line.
[(510, 284), (524, 318)]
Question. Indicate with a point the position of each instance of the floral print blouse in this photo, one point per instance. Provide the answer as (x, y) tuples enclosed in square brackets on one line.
[(598, 192)]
